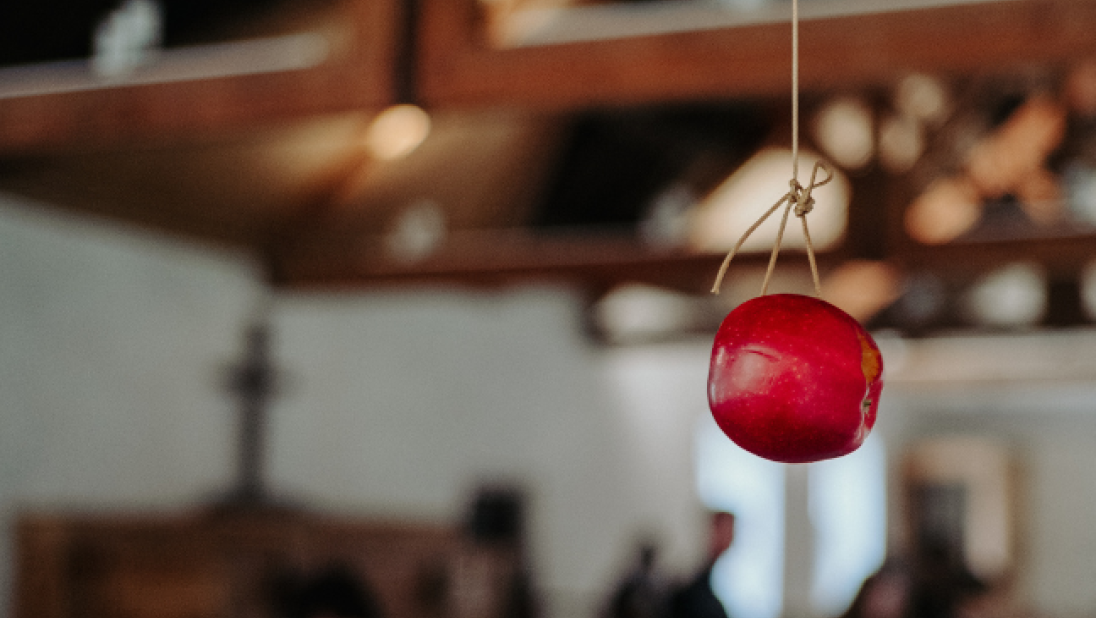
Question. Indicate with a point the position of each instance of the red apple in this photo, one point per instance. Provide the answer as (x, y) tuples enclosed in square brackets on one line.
[(794, 379)]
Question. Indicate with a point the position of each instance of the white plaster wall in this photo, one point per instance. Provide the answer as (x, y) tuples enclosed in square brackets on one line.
[(1049, 429), (407, 400), (112, 345)]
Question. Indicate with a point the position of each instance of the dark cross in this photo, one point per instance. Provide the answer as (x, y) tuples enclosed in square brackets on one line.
[(254, 381)]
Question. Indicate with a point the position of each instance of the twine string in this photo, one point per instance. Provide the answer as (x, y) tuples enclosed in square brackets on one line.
[(795, 91), (804, 205), (797, 198)]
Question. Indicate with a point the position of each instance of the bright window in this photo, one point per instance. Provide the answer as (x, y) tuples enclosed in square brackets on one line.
[(847, 502), (846, 498), (749, 578)]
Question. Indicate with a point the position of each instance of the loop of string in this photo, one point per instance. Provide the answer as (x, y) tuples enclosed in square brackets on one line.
[(797, 197)]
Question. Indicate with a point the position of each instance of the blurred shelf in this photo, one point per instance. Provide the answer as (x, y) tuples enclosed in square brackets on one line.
[(345, 62), (855, 49), (143, 149), (537, 24), (844, 44), (198, 563), (1065, 256), (595, 261)]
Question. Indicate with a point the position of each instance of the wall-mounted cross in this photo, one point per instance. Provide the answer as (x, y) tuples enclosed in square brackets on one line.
[(254, 381)]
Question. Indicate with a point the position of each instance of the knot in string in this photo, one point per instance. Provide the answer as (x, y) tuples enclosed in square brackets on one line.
[(800, 198)]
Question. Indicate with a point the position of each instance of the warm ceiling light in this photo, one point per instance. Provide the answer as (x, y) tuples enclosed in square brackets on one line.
[(397, 131), (417, 232), (923, 98), (901, 142), (1020, 147), (946, 210), (843, 128), (720, 219), (1079, 184), (1040, 195), (637, 312), (1080, 87), (1088, 290), (1012, 296), (861, 288)]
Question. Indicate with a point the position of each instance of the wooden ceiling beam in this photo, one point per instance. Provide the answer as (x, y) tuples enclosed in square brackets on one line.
[(458, 68), (358, 74), (489, 259), (1060, 256), (452, 68)]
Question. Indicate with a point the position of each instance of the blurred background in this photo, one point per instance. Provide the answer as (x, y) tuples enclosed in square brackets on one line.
[(400, 307)]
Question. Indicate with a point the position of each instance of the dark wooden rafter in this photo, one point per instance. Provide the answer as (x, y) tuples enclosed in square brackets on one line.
[(359, 75), (492, 259), (454, 67), (458, 68), (434, 52)]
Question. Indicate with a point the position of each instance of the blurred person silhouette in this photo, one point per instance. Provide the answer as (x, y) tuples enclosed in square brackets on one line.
[(887, 593), (497, 527), (942, 584), (696, 599), (643, 592), (333, 592), (936, 584)]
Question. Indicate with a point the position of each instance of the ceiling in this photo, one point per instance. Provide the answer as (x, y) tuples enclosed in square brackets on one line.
[(258, 125)]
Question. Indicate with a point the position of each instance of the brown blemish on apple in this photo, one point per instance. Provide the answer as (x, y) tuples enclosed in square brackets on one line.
[(871, 361)]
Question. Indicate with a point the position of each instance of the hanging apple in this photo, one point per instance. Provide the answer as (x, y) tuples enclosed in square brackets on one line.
[(794, 379)]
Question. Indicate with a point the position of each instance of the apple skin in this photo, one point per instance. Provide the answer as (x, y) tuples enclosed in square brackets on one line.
[(794, 379)]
